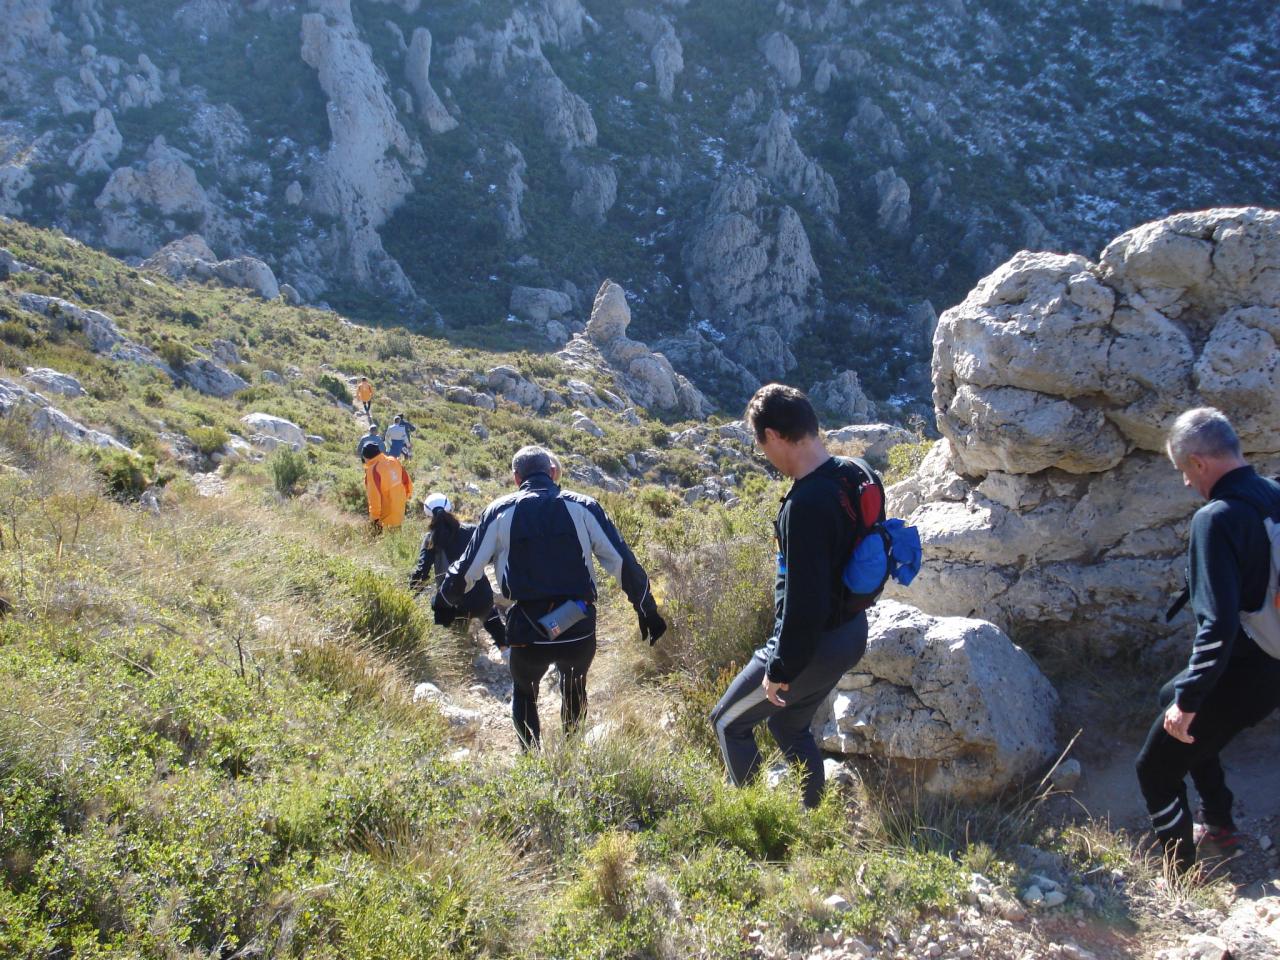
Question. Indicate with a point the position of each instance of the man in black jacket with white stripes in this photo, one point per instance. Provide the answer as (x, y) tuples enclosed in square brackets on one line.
[(540, 540), (1230, 683)]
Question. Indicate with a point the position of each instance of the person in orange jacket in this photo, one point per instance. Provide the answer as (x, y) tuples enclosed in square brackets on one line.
[(388, 487), (364, 393)]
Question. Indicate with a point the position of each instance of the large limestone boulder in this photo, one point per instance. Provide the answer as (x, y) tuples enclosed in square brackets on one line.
[(188, 257), (1050, 502), (269, 431), (210, 377), (51, 381), (875, 439), (752, 274), (950, 699), (508, 383), (647, 377), (665, 49), (250, 273)]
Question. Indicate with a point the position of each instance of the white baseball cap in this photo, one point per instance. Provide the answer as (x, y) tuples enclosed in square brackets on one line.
[(437, 501)]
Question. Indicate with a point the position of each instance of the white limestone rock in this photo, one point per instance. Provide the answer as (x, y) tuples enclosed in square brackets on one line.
[(361, 179), (417, 67), (1050, 500), (163, 184), (98, 152), (268, 431), (950, 699), (783, 57), (211, 378), (750, 266), (51, 381), (843, 397), (47, 419), (511, 193), (779, 158), (508, 383), (250, 273), (875, 439)]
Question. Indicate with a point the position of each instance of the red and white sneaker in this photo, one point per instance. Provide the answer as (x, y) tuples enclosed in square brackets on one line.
[(1226, 841)]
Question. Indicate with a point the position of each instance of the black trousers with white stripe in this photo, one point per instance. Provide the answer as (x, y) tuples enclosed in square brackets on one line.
[(1248, 690), (744, 706)]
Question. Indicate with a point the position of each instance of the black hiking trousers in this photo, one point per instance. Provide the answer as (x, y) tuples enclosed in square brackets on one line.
[(1247, 692), (744, 706), (532, 655)]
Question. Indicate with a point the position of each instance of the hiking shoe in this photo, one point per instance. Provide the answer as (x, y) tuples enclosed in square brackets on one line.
[(1226, 840)]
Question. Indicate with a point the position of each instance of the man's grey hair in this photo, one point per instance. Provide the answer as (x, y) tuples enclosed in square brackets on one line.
[(531, 460), (1204, 432)]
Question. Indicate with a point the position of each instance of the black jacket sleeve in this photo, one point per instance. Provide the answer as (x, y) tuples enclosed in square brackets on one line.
[(811, 541), (1214, 577), (421, 574)]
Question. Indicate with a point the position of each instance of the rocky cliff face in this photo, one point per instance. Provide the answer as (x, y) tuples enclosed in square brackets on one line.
[(1050, 502), (786, 187)]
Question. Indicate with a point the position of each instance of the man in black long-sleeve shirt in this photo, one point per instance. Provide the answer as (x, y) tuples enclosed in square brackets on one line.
[(816, 637), (1230, 683)]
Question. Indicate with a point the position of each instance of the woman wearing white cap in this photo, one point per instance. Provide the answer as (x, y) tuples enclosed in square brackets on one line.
[(444, 543)]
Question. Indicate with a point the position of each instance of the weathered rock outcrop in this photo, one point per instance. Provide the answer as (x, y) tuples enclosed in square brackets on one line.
[(511, 193), (782, 162), (48, 419), (360, 181), (191, 258), (875, 439), (951, 699), (431, 109), (268, 431), (1050, 503), (547, 310), (751, 269), (52, 381), (98, 152), (781, 53), (647, 377), (164, 183), (665, 49), (843, 396)]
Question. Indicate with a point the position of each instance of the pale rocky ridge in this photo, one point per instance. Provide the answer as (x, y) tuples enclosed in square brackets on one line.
[(1049, 506), (872, 124)]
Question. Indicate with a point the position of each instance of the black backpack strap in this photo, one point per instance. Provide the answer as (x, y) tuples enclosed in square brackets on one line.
[(1179, 602)]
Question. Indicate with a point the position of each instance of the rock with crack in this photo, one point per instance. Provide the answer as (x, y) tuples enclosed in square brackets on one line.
[(547, 310), (665, 49), (211, 378), (191, 258), (1050, 502), (783, 57), (951, 700), (508, 383), (511, 193), (165, 185)]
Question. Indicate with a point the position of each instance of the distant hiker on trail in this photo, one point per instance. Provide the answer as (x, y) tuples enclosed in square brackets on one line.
[(397, 437), (370, 437), (817, 635), (388, 487), (444, 543), (1230, 682), (540, 540), (364, 394)]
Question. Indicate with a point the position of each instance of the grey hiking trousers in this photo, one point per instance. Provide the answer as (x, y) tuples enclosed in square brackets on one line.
[(743, 706)]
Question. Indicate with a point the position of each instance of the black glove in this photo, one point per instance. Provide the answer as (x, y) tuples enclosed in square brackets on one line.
[(442, 611), (652, 626)]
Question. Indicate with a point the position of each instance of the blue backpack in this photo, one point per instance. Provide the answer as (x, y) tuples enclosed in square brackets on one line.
[(882, 548)]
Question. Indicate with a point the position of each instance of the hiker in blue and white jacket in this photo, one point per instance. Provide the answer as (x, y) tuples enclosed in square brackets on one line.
[(540, 541), (1230, 682)]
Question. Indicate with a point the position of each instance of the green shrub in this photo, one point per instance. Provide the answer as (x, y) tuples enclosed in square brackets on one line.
[(334, 387), (125, 474), (905, 458), (288, 469), (386, 614), (209, 440), (174, 352), (16, 333), (395, 346)]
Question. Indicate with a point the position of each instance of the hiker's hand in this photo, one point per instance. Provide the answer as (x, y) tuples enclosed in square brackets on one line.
[(771, 691), (652, 626), (1178, 724)]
